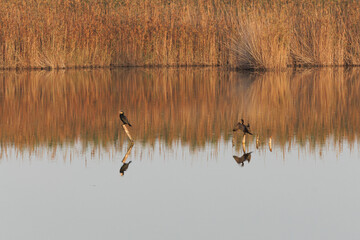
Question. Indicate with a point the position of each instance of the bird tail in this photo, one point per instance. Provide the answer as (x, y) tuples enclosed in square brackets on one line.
[(250, 133), (129, 124)]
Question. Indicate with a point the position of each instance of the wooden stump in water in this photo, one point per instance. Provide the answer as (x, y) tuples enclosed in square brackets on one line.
[(127, 132)]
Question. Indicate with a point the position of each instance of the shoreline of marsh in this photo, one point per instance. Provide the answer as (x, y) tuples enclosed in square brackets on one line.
[(64, 34), (229, 68)]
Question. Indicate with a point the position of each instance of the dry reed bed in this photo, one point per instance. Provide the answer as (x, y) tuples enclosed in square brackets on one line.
[(196, 106), (260, 34)]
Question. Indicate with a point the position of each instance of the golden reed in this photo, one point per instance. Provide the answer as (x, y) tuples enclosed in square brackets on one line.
[(196, 106), (238, 33)]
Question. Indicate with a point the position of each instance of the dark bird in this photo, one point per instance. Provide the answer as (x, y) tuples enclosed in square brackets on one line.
[(124, 167), (243, 158), (123, 118), (242, 127)]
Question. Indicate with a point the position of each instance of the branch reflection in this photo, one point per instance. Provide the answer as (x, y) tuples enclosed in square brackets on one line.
[(125, 165)]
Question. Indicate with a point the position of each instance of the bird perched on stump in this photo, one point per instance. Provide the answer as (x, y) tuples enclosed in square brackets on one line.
[(123, 118), (241, 126)]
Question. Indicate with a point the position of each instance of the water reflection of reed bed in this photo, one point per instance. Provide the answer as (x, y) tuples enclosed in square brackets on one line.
[(307, 105), (194, 105)]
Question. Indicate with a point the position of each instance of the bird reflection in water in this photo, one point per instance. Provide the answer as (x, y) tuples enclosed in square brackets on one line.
[(125, 165), (245, 157)]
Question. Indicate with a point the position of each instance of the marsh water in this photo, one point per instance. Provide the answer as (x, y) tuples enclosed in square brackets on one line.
[(62, 148)]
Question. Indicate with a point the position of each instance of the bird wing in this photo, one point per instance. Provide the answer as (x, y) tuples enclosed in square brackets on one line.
[(237, 126), (124, 119), (239, 159), (247, 130)]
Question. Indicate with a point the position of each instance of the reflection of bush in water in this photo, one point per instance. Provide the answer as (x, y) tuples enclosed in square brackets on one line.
[(194, 105)]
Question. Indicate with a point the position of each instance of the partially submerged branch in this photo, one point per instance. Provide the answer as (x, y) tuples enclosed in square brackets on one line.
[(127, 132)]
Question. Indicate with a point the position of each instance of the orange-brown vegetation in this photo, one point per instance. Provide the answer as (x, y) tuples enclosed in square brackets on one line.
[(195, 106), (246, 34)]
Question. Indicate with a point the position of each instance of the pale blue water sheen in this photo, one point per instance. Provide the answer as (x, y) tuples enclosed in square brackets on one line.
[(179, 193), (61, 148)]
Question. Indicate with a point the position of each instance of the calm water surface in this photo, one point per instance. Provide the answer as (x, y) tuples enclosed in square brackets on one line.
[(62, 147)]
